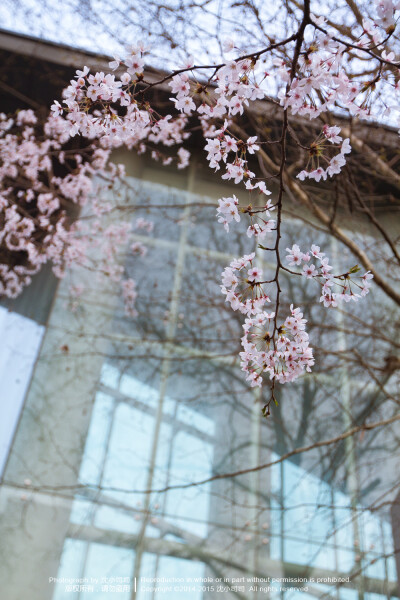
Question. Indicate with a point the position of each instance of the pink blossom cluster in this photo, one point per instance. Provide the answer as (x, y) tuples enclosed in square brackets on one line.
[(284, 353), (218, 149), (242, 285), (234, 90), (386, 13), (321, 81), (90, 110), (261, 224), (90, 102), (34, 202), (144, 224), (228, 211), (38, 209), (317, 152), (169, 131), (129, 295), (322, 273)]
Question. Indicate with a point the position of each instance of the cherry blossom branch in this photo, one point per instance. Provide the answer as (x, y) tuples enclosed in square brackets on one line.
[(118, 112), (299, 41), (251, 55), (360, 48), (301, 195), (372, 218)]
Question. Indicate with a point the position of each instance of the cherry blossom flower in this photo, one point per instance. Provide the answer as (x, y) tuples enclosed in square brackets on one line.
[(227, 211), (295, 256), (183, 156), (309, 271)]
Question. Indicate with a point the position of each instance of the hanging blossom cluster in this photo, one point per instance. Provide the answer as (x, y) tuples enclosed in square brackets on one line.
[(228, 210), (318, 153), (218, 149), (320, 271), (233, 88), (114, 109), (33, 198), (261, 224), (385, 18), (242, 285), (321, 83), (44, 183), (282, 352)]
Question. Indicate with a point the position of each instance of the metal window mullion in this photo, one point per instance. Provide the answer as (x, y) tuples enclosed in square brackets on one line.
[(165, 367), (349, 444), (254, 495)]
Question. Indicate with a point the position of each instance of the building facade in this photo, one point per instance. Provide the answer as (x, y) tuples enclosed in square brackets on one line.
[(135, 461)]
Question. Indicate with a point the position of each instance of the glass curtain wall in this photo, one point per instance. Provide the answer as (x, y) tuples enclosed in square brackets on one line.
[(141, 455)]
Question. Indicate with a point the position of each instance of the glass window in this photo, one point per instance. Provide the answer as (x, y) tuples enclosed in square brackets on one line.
[(144, 443)]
